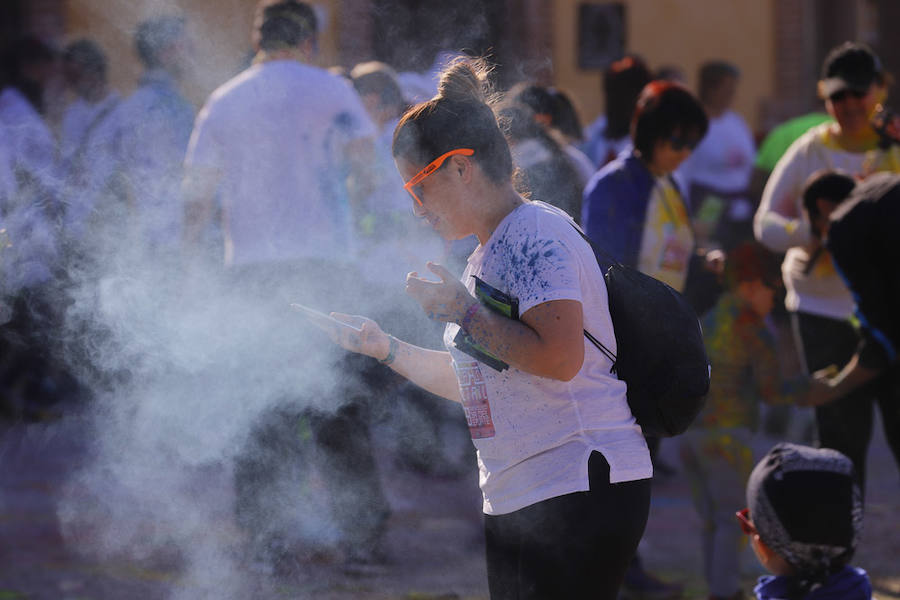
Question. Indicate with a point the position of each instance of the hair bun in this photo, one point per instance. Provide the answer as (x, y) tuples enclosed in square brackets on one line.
[(465, 80)]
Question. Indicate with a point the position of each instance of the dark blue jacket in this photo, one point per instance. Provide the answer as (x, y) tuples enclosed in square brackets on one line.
[(615, 207), (850, 583)]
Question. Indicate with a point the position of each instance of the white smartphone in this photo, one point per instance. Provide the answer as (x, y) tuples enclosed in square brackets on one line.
[(321, 319)]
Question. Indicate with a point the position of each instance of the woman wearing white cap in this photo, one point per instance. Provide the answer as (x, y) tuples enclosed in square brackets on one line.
[(853, 85)]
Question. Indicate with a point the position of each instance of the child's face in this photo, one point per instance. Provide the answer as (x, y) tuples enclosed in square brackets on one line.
[(759, 296)]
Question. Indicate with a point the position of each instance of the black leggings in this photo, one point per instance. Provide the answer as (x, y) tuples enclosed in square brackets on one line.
[(573, 546)]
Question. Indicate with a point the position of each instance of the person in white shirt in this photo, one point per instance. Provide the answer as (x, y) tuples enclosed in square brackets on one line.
[(287, 149), (84, 67), (853, 84), (546, 105), (153, 127), (32, 212), (87, 139), (716, 176), (564, 469), (395, 242)]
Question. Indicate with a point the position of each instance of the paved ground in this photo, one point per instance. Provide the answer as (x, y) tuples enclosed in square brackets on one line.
[(433, 542)]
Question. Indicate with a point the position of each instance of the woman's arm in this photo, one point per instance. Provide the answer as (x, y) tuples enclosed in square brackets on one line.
[(778, 224), (431, 370), (546, 341)]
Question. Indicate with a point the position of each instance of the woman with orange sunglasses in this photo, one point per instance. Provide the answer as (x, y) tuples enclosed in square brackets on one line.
[(564, 470)]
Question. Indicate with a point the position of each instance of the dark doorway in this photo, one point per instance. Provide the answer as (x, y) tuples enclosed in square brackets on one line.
[(11, 20)]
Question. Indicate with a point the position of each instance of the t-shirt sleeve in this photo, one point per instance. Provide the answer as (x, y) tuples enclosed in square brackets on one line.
[(544, 269), (204, 150), (777, 224)]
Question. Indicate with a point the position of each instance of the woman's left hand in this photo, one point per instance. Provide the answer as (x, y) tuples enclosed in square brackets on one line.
[(446, 300)]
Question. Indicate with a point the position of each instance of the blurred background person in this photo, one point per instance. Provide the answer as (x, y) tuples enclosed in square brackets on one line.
[(30, 214), (858, 223), (386, 227), (717, 451), (671, 73), (84, 65), (716, 176), (88, 132), (28, 66), (634, 211), (290, 167), (853, 83), (393, 242), (544, 170), (554, 111), (608, 136), (8, 186), (776, 143), (154, 125)]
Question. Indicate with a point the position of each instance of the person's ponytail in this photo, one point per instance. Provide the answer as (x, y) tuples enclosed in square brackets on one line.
[(465, 80)]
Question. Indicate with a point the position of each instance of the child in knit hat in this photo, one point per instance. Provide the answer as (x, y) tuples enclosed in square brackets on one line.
[(804, 519)]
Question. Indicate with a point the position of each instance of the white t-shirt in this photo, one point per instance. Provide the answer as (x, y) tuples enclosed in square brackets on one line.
[(8, 185), (724, 158), (533, 434), (79, 116), (90, 146), (34, 146), (781, 224), (33, 252), (153, 126), (277, 133)]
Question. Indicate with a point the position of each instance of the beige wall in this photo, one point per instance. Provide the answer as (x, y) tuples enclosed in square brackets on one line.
[(220, 32), (667, 32), (681, 32)]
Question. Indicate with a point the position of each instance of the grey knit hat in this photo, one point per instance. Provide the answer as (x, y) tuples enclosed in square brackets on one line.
[(806, 507)]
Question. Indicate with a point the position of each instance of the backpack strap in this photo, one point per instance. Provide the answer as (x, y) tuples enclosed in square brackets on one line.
[(597, 250)]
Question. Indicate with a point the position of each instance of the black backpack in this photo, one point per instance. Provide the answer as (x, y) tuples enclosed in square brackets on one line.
[(661, 355)]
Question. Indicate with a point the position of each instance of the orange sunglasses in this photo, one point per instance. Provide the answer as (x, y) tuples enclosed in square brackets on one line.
[(431, 168)]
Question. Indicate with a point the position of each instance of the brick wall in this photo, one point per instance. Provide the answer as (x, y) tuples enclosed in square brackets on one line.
[(794, 66)]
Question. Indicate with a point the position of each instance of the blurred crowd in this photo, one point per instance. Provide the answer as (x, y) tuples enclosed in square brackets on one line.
[(286, 175)]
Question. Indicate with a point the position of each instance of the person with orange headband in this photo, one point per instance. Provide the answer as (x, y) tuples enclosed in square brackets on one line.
[(564, 470)]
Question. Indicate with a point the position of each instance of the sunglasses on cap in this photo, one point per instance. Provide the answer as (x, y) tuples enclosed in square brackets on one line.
[(431, 168), (743, 517), (844, 94), (679, 143)]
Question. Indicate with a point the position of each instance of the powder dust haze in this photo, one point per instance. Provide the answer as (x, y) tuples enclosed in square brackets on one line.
[(187, 368)]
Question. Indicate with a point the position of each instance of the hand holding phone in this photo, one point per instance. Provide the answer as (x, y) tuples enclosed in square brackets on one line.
[(351, 332), (321, 320)]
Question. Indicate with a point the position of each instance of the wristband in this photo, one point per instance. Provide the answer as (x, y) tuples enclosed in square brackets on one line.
[(392, 352), (469, 314)]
